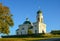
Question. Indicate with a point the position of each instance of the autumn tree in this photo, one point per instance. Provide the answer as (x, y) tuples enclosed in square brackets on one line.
[(5, 19), (30, 30)]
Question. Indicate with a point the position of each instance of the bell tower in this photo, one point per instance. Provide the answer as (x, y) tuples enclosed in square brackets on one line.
[(40, 24), (39, 16)]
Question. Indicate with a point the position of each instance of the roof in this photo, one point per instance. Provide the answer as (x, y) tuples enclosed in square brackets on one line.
[(27, 22), (17, 29), (39, 11)]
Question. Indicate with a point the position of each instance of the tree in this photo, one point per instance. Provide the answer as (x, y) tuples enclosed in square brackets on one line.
[(55, 32), (30, 30), (5, 19)]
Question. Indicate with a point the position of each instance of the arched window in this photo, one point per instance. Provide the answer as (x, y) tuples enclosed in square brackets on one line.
[(22, 28), (38, 19), (35, 31), (17, 33), (21, 33), (43, 31)]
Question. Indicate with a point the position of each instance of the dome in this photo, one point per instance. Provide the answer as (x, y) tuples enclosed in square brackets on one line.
[(39, 11), (27, 22)]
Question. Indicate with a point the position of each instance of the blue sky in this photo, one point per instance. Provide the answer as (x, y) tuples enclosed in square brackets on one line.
[(28, 8)]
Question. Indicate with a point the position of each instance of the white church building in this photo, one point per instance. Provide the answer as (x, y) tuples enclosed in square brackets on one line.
[(32, 28)]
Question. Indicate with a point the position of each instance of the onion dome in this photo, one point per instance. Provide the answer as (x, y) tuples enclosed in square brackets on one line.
[(27, 21), (39, 12)]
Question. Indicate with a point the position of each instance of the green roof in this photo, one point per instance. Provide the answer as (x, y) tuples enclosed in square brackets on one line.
[(38, 12), (27, 22)]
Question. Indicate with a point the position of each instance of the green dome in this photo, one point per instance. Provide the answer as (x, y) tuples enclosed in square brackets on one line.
[(38, 12), (27, 22)]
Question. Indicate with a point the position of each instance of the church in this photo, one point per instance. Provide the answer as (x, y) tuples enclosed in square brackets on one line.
[(32, 28)]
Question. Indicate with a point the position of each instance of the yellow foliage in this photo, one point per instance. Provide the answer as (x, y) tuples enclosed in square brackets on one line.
[(5, 19), (30, 32)]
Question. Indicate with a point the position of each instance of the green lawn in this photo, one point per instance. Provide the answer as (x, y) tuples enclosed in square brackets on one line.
[(47, 36), (20, 39)]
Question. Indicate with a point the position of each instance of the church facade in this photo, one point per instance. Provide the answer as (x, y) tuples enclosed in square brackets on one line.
[(32, 28)]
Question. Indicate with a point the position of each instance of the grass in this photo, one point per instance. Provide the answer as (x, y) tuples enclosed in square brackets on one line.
[(23, 39), (20, 39), (47, 36)]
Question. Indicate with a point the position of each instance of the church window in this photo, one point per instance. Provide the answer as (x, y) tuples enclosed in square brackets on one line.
[(21, 33), (43, 31), (35, 31), (22, 28), (35, 25), (38, 19), (17, 33)]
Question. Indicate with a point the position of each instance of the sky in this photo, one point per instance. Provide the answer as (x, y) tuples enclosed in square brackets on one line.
[(21, 9)]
